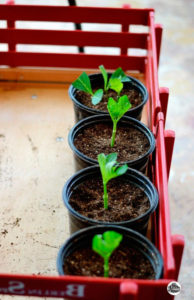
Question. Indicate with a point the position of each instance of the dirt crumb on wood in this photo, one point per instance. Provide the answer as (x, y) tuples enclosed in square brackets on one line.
[(34, 148), (4, 232)]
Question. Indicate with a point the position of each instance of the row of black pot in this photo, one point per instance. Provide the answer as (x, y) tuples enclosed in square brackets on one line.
[(83, 228)]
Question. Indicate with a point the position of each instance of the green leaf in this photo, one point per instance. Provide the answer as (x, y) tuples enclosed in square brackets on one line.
[(106, 164), (104, 244), (111, 157), (102, 161), (109, 169), (113, 109), (116, 85), (83, 83), (109, 166), (97, 97), (125, 79), (119, 73), (105, 76), (118, 108), (121, 170), (112, 238)]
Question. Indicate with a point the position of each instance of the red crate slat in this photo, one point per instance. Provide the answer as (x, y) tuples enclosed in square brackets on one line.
[(77, 38), (74, 14), (156, 105), (158, 33), (165, 243), (169, 138), (178, 243), (45, 286), (71, 60)]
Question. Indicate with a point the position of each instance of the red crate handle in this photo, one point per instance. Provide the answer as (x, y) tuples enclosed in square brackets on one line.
[(85, 288)]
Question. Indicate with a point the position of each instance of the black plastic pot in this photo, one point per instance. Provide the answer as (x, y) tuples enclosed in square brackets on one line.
[(83, 161), (78, 221), (83, 238), (81, 111)]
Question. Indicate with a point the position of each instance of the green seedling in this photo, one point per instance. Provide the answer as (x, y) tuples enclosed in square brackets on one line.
[(83, 84), (104, 244), (115, 83), (116, 110), (109, 169)]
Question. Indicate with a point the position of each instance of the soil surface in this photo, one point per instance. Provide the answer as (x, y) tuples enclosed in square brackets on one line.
[(124, 262), (126, 201), (130, 144), (135, 97)]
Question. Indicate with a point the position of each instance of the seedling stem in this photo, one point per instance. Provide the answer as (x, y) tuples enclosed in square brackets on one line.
[(113, 134), (116, 110), (106, 267), (109, 169), (105, 196), (104, 244)]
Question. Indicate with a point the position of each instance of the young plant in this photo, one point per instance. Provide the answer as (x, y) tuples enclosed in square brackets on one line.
[(115, 83), (109, 169), (83, 84), (104, 244), (116, 110)]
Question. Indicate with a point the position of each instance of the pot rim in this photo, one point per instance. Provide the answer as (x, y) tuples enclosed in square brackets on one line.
[(91, 120), (139, 84), (96, 169), (142, 241)]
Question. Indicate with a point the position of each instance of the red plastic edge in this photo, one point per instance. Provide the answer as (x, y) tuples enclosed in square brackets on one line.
[(74, 287), (74, 14)]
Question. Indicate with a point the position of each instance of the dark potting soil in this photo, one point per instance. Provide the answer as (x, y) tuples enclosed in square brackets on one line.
[(126, 201), (130, 143), (134, 96), (124, 262)]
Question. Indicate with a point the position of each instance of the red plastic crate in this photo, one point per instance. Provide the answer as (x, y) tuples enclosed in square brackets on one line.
[(171, 247)]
